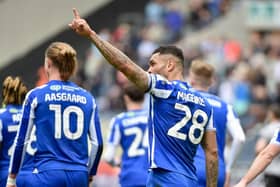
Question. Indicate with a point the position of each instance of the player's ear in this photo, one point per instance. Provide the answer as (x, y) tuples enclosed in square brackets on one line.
[(171, 65), (213, 81), (48, 62)]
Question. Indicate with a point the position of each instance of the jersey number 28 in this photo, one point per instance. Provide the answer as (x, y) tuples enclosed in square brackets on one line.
[(196, 125)]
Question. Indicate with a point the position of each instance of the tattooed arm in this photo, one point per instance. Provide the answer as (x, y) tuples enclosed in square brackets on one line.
[(210, 148), (113, 55)]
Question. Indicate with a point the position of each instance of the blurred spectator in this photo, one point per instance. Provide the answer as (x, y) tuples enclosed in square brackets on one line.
[(256, 43), (154, 11), (93, 66), (232, 51), (242, 89), (226, 89), (174, 22), (199, 16), (146, 47), (276, 97), (214, 7)]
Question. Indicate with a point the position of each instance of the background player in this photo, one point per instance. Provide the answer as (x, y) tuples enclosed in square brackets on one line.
[(130, 131), (262, 160), (179, 118), (201, 76), (64, 116), (272, 172), (13, 94)]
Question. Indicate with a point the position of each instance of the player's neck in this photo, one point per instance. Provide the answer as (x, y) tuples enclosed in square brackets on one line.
[(53, 74), (173, 77), (54, 77), (133, 106)]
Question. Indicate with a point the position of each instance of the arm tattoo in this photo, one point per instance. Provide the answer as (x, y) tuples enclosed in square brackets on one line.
[(212, 173), (121, 62)]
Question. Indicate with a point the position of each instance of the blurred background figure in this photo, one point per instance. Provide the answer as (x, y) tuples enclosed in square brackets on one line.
[(263, 160), (13, 95), (201, 77), (129, 130), (271, 173)]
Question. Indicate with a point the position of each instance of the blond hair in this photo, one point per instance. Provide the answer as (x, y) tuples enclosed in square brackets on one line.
[(63, 56), (204, 72), (13, 91)]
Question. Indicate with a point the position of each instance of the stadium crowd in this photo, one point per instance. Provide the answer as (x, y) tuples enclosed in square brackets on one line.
[(163, 22)]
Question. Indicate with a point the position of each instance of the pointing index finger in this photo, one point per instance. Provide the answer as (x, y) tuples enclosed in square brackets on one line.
[(76, 13)]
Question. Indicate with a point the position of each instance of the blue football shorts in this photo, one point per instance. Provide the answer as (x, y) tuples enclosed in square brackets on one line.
[(164, 178), (54, 178)]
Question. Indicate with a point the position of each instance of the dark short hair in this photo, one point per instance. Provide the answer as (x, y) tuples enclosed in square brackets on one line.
[(171, 49), (133, 92)]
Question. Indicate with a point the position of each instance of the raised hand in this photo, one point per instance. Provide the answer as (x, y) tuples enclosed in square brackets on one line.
[(79, 25)]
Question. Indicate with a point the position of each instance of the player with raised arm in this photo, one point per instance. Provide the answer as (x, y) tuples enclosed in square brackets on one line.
[(263, 159), (179, 118), (13, 94), (65, 116), (201, 76), (129, 130)]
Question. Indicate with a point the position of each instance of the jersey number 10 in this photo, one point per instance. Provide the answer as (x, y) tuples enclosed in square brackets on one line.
[(62, 124)]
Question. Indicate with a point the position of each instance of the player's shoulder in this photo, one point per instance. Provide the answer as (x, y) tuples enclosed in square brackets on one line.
[(159, 81), (117, 119), (72, 87), (79, 89), (7, 112), (2, 110), (214, 100), (120, 116), (182, 85), (276, 137), (157, 77), (197, 94), (36, 91), (270, 128), (123, 116)]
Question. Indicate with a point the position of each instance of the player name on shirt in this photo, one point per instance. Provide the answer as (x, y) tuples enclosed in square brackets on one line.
[(191, 98), (65, 97)]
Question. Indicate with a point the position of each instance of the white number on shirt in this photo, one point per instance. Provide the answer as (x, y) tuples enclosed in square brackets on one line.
[(64, 122), (140, 138), (29, 149), (12, 128), (174, 130)]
